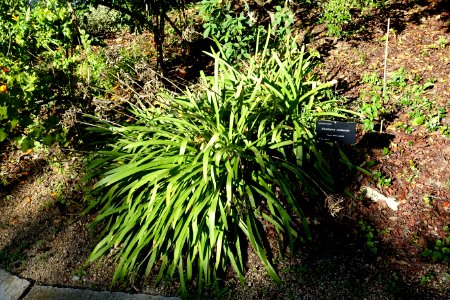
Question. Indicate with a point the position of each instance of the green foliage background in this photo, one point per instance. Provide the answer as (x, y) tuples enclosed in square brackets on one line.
[(36, 47)]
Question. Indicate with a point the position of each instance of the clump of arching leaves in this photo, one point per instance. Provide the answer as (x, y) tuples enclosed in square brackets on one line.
[(200, 175)]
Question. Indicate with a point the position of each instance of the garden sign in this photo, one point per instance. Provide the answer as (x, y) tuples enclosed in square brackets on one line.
[(338, 132)]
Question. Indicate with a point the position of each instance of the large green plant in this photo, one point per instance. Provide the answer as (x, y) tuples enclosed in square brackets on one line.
[(201, 175)]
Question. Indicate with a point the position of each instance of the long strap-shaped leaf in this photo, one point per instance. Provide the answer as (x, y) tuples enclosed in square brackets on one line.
[(250, 229)]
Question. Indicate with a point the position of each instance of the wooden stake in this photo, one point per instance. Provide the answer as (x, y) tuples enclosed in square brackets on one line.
[(385, 58), (385, 66)]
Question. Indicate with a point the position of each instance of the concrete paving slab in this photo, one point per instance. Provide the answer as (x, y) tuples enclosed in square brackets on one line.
[(52, 293), (11, 287)]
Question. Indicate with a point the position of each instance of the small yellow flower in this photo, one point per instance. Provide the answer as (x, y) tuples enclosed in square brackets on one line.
[(3, 88), (15, 18)]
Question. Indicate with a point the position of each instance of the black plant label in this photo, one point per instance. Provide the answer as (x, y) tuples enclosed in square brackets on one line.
[(334, 131)]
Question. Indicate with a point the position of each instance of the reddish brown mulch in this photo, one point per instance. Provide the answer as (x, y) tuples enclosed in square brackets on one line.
[(417, 163)]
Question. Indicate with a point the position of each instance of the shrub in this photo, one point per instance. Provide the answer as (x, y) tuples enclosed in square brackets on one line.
[(236, 26), (202, 174), (233, 29), (102, 20), (36, 46), (337, 14)]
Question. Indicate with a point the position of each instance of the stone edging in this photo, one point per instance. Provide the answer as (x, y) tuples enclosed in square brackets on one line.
[(15, 288)]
